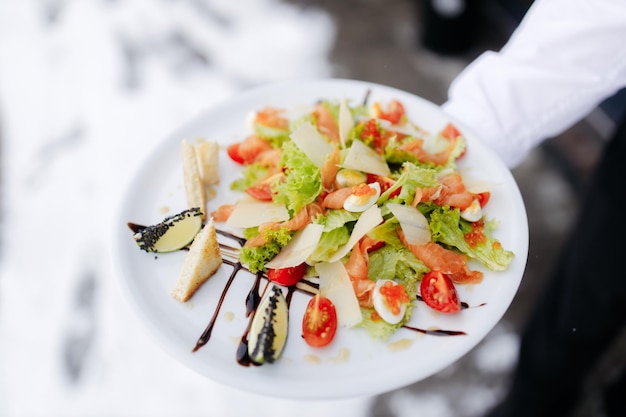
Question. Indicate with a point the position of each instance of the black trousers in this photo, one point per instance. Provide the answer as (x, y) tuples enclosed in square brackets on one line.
[(583, 308)]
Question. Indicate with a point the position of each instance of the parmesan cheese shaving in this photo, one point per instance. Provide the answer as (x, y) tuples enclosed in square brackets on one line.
[(368, 220), (255, 213), (299, 248), (335, 285), (477, 185), (312, 143), (363, 158), (346, 122), (413, 223)]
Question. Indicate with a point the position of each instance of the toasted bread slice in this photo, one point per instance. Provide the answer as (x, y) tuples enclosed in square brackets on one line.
[(207, 153), (203, 259), (194, 187)]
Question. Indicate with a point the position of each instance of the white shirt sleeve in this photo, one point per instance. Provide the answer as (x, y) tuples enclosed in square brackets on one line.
[(565, 58)]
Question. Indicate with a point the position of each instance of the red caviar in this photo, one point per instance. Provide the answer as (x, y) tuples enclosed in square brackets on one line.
[(477, 235), (394, 295), (271, 117), (363, 190)]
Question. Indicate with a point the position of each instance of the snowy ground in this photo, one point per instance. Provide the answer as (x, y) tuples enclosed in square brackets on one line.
[(86, 86)]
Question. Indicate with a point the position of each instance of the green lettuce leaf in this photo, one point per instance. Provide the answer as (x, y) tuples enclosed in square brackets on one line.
[(273, 135), (459, 149), (386, 232), (251, 175), (302, 182), (255, 258), (448, 228), (328, 244), (395, 155), (338, 225), (398, 264), (411, 176), (334, 219), (380, 329)]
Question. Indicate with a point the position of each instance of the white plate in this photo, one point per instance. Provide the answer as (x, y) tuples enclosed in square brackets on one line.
[(354, 364)]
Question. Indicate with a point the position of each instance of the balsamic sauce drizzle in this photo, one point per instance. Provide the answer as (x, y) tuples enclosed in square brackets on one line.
[(206, 334), (254, 298), (238, 239), (242, 356), (135, 228), (436, 332)]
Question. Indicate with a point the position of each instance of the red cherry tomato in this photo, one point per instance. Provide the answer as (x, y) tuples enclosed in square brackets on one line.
[(233, 153), (261, 191), (439, 293), (287, 276), (319, 323), (385, 184), (450, 131), (395, 112), (483, 198)]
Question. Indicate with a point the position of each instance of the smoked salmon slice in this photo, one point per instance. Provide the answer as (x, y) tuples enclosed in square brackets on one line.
[(329, 170), (357, 266), (451, 192), (326, 123), (446, 261), (297, 222), (336, 199), (252, 147)]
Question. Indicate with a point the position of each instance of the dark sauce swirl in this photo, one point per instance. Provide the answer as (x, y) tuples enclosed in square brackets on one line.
[(206, 334), (254, 297)]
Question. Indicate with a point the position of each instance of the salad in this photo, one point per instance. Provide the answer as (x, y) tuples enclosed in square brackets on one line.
[(367, 203)]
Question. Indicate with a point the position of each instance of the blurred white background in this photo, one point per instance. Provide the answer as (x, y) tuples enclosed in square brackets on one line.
[(87, 87)]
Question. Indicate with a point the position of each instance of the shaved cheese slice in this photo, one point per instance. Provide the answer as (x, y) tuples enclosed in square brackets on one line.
[(346, 122), (477, 185), (435, 144), (368, 220), (413, 223), (335, 285), (299, 248), (408, 129), (312, 143), (363, 158), (255, 213)]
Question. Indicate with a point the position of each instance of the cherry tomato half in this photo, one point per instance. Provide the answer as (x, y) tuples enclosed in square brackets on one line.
[(483, 198), (395, 112), (439, 293), (319, 323), (233, 153), (287, 276), (450, 131), (385, 184), (261, 191)]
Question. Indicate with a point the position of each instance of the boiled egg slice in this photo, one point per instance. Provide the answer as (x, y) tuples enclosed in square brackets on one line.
[(350, 178), (390, 300), (473, 212), (363, 197)]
